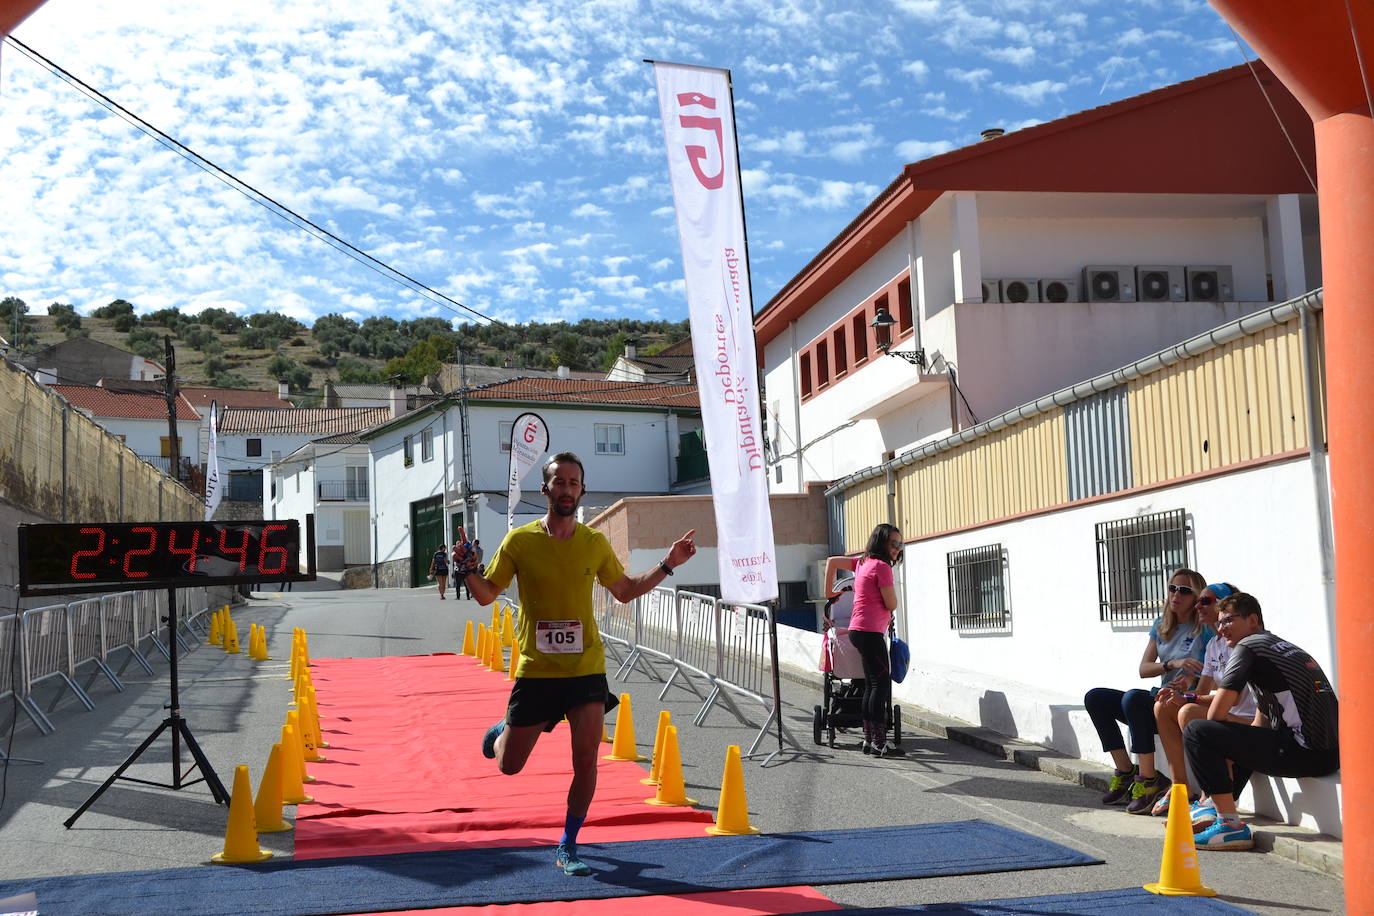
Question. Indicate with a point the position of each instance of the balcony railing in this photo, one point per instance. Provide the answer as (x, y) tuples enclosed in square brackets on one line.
[(342, 491)]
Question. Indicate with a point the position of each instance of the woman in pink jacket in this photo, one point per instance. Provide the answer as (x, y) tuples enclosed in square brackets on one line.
[(875, 598)]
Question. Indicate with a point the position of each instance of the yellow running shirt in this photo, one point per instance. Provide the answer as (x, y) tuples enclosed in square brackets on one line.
[(555, 583)]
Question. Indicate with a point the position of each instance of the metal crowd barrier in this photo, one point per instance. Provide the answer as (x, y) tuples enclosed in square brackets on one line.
[(51, 643), (723, 643)]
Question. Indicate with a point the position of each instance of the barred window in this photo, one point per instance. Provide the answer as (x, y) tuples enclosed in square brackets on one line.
[(978, 589), (1134, 559)]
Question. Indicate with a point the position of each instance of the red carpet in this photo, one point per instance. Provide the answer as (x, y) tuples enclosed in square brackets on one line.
[(718, 903), (405, 773), (405, 770)]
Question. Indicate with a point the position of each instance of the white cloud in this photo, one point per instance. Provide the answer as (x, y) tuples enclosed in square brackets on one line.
[(917, 68), (590, 210), (1017, 57), (1031, 93), (915, 150), (973, 78)]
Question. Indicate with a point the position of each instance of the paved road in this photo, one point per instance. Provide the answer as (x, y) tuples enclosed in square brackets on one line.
[(235, 709)]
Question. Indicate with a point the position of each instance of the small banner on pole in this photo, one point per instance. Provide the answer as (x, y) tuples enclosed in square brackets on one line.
[(699, 131), (529, 440), (213, 491)]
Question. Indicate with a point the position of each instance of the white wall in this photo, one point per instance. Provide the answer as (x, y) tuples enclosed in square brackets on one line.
[(645, 466), (1013, 353), (144, 437), (1255, 529), (395, 487)]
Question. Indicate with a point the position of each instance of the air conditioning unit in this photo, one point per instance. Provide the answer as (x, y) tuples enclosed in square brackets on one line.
[(992, 290), (1108, 283), (1209, 284), (1159, 284), (1058, 290), (1020, 289)]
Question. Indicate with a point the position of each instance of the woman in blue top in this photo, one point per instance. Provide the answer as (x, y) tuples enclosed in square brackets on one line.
[(1174, 655)]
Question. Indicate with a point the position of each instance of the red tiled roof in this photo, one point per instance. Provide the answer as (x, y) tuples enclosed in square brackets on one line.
[(123, 405), (200, 398), (300, 421), (589, 391)]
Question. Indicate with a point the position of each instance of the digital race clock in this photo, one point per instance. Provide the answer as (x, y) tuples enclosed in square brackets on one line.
[(104, 557)]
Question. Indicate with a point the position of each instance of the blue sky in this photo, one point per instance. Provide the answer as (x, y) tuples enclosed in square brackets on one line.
[(507, 154)]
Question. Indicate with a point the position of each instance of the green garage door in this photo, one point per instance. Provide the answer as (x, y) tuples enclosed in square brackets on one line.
[(426, 534)]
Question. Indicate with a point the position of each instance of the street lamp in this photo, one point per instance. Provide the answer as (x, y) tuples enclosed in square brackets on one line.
[(882, 330)]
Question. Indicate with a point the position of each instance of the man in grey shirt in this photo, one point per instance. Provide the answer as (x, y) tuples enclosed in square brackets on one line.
[(1295, 731)]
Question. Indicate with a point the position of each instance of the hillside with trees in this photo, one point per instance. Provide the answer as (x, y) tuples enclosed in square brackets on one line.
[(218, 347)]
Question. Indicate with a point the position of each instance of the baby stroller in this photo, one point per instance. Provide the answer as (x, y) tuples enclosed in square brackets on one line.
[(843, 671)]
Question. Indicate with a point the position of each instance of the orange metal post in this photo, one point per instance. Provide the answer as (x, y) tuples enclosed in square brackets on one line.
[(1312, 48)]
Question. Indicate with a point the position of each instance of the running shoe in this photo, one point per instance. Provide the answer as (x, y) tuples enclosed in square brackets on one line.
[(1119, 790), (489, 739), (1161, 808), (889, 750), (1203, 814), (1223, 835), (566, 859), (1145, 792)]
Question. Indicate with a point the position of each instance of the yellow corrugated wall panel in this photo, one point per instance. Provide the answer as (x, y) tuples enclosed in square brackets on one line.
[(864, 507), (1240, 402), (1016, 470)]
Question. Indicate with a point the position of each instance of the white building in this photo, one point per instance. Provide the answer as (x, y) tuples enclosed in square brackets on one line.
[(251, 439), (328, 478), (1029, 261), (1063, 439), (139, 420), (630, 438)]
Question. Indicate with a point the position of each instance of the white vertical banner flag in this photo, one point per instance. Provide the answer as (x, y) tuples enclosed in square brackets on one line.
[(213, 491), (529, 440), (699, 132)]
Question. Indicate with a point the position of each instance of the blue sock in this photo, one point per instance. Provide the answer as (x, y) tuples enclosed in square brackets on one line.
[(570, 827)]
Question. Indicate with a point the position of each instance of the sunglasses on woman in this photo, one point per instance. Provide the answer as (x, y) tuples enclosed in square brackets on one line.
[(1206, 601), (1185, 589)]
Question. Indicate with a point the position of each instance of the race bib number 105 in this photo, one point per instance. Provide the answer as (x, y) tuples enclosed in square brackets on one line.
[(558, 637)]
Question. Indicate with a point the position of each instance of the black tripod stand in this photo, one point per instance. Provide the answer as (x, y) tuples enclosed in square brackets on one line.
[(180, 730)]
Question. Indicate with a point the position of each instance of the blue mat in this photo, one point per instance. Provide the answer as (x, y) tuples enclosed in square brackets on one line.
[(1092, 903), (527, 875)]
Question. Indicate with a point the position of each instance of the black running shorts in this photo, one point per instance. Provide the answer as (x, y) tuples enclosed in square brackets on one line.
[(546, 700)]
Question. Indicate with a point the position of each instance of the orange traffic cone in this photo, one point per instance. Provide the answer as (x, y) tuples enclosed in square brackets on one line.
[(267, 808), (732, 817), (468, 647), (292, 769), (498, 656), (671, 790), (240, 839), (481, 656), (623, 748), (309, 753), (315, 719), (216, 637), (507, 629), (665, 719), (1178, 871), (231, 638)]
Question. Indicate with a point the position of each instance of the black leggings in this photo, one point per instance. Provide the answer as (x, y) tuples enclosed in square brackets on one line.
[(877, 678), (1210, 744)]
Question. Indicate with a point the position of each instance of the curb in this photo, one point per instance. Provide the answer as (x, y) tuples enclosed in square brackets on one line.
[(1319, 851)]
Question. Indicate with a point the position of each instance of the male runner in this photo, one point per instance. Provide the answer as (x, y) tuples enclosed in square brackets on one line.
[(561, 668)]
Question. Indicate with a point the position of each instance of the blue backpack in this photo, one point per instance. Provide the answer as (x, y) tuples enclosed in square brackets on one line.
[(899, 659)]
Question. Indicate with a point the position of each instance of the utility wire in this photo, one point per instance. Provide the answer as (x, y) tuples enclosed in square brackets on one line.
[(1283, 127), (268, 203)]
